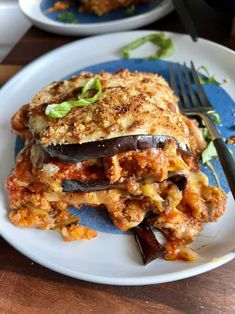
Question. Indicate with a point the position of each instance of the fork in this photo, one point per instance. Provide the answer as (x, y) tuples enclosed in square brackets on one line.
[(194, 102)]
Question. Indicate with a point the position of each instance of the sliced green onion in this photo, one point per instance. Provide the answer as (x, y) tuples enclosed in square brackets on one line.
[(164, 44), (130, 10), (67, 17), (205, 134), (209, 153), (216, 117), (95, 84), (61, 110), (208, 79)]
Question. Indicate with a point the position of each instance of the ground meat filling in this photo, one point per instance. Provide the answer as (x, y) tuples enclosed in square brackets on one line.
[(155, 163), (125, 167), (37, 199)]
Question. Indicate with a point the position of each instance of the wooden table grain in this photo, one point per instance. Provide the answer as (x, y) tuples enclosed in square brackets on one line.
[(26, 287)]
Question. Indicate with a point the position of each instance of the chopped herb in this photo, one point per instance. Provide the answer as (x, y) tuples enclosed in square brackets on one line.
[(208, 79), (205, 134), (92, 84), (164, 44), (130, 10), (61, 110), (67, 17), (215, 117), (209, 153)]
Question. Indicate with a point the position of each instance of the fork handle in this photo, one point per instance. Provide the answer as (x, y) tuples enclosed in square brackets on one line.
[(225, 157), (227, 162)]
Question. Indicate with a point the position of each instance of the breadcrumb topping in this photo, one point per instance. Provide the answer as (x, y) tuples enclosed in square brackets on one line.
[(131, 103)]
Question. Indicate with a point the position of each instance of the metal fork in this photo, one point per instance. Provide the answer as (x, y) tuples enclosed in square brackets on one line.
[(193, 101)]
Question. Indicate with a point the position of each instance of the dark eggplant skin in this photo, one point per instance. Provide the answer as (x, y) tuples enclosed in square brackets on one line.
[(78, 186), (178, 179), (72, 186), (148, 245), (73, 153)]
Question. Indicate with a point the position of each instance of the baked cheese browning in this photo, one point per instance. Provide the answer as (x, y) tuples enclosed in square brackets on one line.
[(101, 7), (131, 103), (34, 203)]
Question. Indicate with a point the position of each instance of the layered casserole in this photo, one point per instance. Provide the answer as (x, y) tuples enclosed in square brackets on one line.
[(130, 151)]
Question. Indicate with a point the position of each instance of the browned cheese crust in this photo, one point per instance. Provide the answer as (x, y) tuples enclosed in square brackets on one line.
[(131, 103)]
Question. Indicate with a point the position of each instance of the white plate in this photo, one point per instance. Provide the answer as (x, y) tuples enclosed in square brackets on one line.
[(32, 9), (110, 258)]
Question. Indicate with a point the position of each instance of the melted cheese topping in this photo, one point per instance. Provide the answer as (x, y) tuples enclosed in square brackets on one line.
[(131, 104)]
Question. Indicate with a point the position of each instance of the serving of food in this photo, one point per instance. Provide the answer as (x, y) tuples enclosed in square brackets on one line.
[(113, 140), (89, 17), (110, 135), (95, 6), (104, 7)]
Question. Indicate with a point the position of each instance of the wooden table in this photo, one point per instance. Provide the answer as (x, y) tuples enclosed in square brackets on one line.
[(26, 287)]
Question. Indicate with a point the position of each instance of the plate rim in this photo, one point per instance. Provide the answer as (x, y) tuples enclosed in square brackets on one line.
[(74, 43), (91, 28), (113, 280), (127, 281)]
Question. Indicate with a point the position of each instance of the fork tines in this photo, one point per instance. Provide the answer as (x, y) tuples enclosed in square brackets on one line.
[(185, 82)]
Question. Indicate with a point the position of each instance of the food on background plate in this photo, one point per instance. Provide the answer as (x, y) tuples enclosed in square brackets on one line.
[(60, 6), (98, 7), (112, 140), (101, 7)]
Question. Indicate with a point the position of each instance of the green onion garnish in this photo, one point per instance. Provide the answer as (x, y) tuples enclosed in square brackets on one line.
[(67, 17), (215, 117), (209, 153), (61, 110), (164, 44), (208, 79), (130, 10)]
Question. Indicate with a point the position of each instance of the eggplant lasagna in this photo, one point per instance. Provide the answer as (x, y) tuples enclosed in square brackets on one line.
[(129, 150), (101, 7)]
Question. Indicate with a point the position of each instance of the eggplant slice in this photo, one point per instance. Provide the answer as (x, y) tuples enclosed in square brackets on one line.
[(73, 153), (179, 179), (148, 245), (78, 186), (71, 186)]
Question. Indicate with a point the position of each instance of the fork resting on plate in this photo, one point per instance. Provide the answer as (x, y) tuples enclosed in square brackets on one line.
[(195, 102)]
